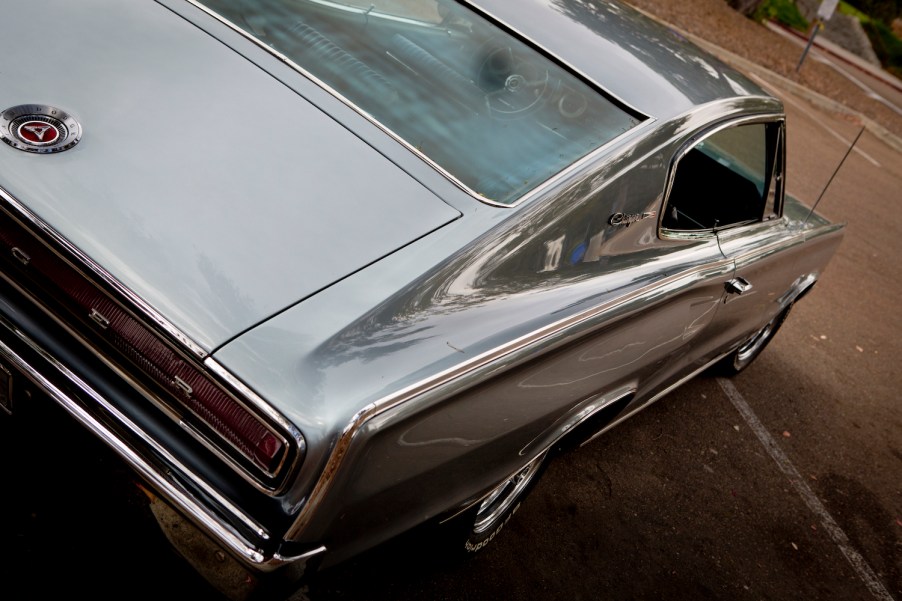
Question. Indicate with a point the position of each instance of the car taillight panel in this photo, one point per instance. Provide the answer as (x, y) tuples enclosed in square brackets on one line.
[(246, 436)]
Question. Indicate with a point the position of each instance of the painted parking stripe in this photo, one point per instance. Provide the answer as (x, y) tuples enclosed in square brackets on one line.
[(832, 131), (859, 564), (785, 97)]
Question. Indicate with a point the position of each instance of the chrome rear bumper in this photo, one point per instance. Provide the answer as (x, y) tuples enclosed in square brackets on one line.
[(229, 533)]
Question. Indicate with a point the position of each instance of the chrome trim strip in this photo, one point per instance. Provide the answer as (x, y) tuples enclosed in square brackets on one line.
[(257, 401), (6, 396), (101, 273), (283, 559), (692, 142), (199, 436), (215, 368), (590, 407), (473, 502), (763, 251), (520, 481), (371, 11), (484, 360), (812, 233), (656, 397), (576, 165), (587, 408), (527, 39), (175, 493)]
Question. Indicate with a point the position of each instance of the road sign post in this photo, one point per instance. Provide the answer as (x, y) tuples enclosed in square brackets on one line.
[(824, 12)]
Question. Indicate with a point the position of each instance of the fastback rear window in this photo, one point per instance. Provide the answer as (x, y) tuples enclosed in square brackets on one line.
[(487, 109)]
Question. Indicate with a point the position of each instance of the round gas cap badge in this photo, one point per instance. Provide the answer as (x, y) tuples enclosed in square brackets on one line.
[(39, 128)]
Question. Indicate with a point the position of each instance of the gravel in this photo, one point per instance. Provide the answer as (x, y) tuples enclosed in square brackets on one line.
[(844, 30), (716, 22)]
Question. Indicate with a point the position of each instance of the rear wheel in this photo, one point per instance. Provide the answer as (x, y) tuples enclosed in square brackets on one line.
[(474, 529), (749, 350)]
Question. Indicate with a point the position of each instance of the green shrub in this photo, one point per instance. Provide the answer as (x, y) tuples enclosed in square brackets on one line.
[(782, 11), (887, 46), (847, 9), (878, 10)]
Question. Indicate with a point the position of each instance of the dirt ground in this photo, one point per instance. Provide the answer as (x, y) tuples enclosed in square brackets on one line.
[(715, 21)]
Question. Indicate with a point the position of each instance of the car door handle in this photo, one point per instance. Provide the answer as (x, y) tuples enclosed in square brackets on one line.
[(738, 285)]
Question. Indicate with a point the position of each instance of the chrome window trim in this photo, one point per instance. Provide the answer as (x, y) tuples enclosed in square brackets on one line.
[(526, 39), (251, 402), (770, 117), (645, 122), (371, 11), (516, 351)]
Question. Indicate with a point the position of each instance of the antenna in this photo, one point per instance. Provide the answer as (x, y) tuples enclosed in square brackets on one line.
[(838, 167)]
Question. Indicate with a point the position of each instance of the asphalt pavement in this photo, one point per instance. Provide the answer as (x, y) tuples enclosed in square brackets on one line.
[(782, 483)]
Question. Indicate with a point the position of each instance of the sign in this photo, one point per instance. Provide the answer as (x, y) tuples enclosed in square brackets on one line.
[(826, 9)]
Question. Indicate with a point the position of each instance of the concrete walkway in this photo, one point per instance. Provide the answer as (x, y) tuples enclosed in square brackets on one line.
[(838, 52)]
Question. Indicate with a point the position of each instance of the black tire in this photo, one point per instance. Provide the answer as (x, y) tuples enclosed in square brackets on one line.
[(471, 531), (751, 348)]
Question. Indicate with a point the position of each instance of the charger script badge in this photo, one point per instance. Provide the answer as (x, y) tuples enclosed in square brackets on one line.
[(39, 128)]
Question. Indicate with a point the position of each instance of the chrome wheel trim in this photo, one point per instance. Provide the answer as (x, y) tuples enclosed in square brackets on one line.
[(754, 344), (493, 508)]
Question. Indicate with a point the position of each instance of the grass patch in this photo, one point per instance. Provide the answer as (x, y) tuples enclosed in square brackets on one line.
[(886, 44), (847, 9), (781, 11)]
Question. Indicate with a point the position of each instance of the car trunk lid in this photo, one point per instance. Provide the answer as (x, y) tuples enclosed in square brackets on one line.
[(208, 188)]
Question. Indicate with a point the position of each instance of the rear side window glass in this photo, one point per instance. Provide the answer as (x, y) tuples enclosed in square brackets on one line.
[(487, 109), (729, 178)]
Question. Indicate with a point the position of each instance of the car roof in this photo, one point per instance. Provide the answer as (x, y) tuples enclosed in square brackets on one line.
[(644, 64)]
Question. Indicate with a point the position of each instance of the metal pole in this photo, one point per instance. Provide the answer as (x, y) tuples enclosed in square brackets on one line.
[(814, 30)]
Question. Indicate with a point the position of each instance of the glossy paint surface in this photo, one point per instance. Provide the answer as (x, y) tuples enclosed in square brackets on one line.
[(426, 344), (211, 190), (649, 67), (498, 116), (475, 359)]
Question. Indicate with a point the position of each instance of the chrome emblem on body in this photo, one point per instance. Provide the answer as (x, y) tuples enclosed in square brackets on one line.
[(627, 219), (39, 128)]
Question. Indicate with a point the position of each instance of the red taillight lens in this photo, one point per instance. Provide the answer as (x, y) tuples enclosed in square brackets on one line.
[(244, 431), (192, 388)]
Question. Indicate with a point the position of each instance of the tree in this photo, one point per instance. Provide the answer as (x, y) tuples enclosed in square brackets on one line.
[(885, 10)]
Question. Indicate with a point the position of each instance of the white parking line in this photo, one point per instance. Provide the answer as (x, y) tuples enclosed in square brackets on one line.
[(839, 537), (785, 98), (823, 57)]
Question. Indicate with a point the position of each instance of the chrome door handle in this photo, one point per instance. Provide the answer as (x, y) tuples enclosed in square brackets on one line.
[(738, 285)]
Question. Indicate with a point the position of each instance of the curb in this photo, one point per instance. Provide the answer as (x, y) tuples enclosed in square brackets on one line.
[(815, 98), (828, 47)]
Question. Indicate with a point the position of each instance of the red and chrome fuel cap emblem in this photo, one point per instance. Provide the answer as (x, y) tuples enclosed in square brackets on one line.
[(38, 132), (39, 128)]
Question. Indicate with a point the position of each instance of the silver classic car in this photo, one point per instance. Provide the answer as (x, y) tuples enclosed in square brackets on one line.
[(323, 271)]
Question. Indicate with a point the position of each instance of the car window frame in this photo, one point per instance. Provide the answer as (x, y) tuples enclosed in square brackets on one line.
[(775, 179), (642, 119)]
